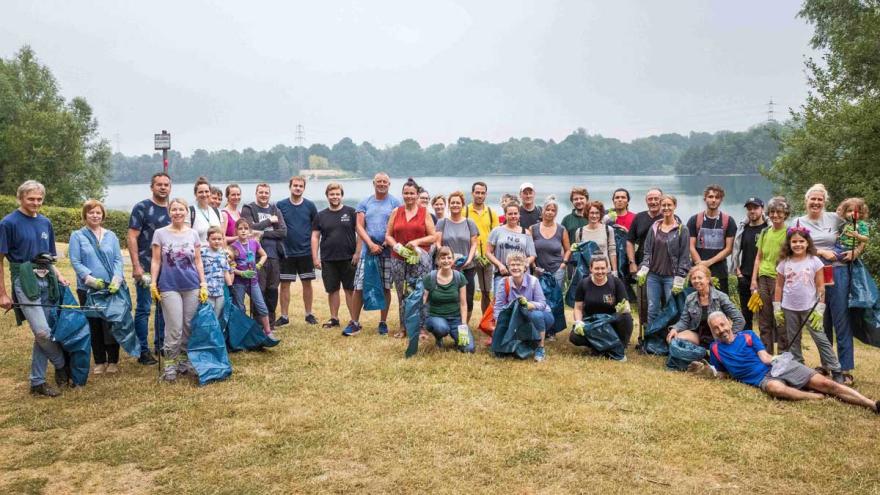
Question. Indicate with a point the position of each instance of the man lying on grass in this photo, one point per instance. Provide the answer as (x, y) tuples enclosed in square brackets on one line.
[(742, 356)]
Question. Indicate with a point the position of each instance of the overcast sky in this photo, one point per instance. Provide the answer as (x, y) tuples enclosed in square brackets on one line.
[(233, 74)]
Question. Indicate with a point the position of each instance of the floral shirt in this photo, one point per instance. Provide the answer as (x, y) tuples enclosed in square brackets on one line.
[(216, 265)]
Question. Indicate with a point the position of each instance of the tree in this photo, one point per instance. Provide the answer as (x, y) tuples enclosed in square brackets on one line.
[(43, 137), (835, 137), (344, 155)]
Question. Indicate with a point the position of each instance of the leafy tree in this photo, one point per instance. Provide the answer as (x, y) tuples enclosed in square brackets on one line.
[(46, 138), (344, 155)]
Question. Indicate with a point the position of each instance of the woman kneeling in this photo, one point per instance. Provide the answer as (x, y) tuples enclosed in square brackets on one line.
[(446, 297), (601, 294), (525, 288)]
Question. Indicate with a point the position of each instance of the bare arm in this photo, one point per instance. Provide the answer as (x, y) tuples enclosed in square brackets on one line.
[(578, 311), (754, 284), (566, 247), (390, 241), (462, 304), (137, 271), (200, 269), (728, 248), (316, 238), (5, 300), (263, 256), (765, 356), (631, 256), (155, 263), (363, 236), (777, 294), (695, 256), (820, 286)]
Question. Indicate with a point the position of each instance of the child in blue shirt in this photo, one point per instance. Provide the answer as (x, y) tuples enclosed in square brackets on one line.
[(218, 273)]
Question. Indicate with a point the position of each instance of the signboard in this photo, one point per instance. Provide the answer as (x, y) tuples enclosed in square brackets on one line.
[(162, 141)]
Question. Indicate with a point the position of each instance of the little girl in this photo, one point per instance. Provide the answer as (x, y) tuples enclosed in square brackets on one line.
[(218, 273), (799, 298), (854, 232), (244, 252)]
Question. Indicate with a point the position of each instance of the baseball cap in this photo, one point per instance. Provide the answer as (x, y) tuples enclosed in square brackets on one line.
[(754, 202), (526, 185)]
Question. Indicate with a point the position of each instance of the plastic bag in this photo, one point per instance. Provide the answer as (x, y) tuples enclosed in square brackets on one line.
[(581, 258), (412, 316), (601, 336), (863, 289), (116, 309), (514, 333), (70, 329), (206, 349), (655, 335), (682, 353), (553, 296), (243, 332), (620, 237), (374, 289), (487, 323)]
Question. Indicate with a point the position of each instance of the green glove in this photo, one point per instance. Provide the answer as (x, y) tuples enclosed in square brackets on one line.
[(623, 307), (248, 274), (642, 276), (113, 288), (523, 301), (817, 317), (778, 315), (579, 328), (677, 285), (463, 338), (575, 247)]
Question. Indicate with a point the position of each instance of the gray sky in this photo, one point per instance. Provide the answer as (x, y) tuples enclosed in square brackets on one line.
[(226, 74)]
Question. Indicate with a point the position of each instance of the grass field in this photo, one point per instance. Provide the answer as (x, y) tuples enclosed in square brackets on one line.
[(324, 413)]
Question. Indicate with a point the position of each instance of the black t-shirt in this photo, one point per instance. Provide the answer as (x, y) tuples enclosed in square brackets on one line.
[(711, 238), (337, 233), (749, 246), (529, 218), (600, 299), (638, 232)]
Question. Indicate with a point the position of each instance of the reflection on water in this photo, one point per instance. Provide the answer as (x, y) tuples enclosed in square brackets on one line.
[(688, 189)]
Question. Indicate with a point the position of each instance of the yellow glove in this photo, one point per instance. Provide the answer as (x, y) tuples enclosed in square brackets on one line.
[(755, 303), (154, 291), (203, 294)]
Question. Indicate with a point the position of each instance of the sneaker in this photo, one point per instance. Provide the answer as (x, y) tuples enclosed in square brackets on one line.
[(112, 368), (147, 359), (838, 377), (311, 320), (271, 335), (282, 320), (99, 369), (270, 340), (551, 338), (61, 377), (170, 374), (44, 390), (353, 328), (331, 323), (185, 367), (540, 354), (383, 328)]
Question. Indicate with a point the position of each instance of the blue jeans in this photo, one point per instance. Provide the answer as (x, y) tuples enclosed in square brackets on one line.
[(837, 317), (45, 349), (659, 289), (257, 302), (541, 319), (142, 319), (441, 327)]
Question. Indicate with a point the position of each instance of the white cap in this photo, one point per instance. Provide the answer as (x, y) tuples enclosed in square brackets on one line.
[(526, 185)]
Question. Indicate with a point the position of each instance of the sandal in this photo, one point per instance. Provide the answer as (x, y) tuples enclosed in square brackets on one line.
[(331, 323), (848, 379)]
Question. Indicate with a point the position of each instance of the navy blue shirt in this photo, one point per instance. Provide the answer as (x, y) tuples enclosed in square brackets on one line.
[(147, 217), (23, 237), (298, 219)]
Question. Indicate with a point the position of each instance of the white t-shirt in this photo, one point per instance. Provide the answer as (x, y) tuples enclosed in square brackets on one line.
[(204, 220), (799, 289)]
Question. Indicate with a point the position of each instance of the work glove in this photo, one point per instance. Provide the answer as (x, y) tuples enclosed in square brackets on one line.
[(248, 274), (146, 280), (483, 261), (154, 291), (755, 303), (94, 283), (463, 336), (575, 247), (623, 307), (817, 317), (114, 285), (522, 300), (203, 294), (778, 315), (402, 250), (642, 276), (677, 285), (612, 216), (578, 328), (259, 266), (716, 283)]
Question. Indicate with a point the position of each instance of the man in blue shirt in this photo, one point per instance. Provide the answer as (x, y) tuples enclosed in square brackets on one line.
[(744, 358), (298, 213), (25, 234), (372, 221), (146, 217)]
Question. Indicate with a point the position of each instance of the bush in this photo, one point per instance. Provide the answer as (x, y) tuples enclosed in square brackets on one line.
[(66, 220)]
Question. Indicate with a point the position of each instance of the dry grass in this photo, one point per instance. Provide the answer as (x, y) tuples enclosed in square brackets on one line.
[(323, 413)]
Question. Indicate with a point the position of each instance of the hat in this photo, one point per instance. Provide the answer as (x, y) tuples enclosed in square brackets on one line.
[(526, 185), (754, 202)]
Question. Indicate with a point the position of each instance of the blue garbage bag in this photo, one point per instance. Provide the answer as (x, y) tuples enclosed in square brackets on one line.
[(682, 353), (206, 348), (374, 289), (412, 315), (243, 332), (581, 258), (863, 289), (553, 296), (655, 335), (116, 309), (70, 329), (620, 236), (601, 335), (514, 333), (864, 305)]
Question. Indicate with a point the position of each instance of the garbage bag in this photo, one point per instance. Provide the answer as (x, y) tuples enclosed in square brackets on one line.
[(514, 333), (374, 289), (412, 315), (581, 258), (864, 305), (243, 332), (682, 353), (620, 236), (116, 309), (655, 335), (553, 296), (601, 336), (863, 289), (70, 329), (206, 349)]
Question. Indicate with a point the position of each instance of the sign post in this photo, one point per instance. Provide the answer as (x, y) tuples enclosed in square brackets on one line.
[(163, 142)]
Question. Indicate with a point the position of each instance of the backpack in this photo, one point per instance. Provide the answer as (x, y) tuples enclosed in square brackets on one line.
[(725, 221), (714, 346), (192, 215)]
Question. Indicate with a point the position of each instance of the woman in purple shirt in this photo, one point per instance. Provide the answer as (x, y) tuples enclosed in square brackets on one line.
[(521, 286)]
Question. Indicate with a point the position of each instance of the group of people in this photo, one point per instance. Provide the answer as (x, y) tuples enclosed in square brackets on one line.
[(792, 273)]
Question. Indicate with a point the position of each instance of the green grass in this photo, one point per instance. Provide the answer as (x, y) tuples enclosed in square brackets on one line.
[(323, 413)]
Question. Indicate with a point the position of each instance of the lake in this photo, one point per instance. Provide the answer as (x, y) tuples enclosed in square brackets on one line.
[(688, 189)]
